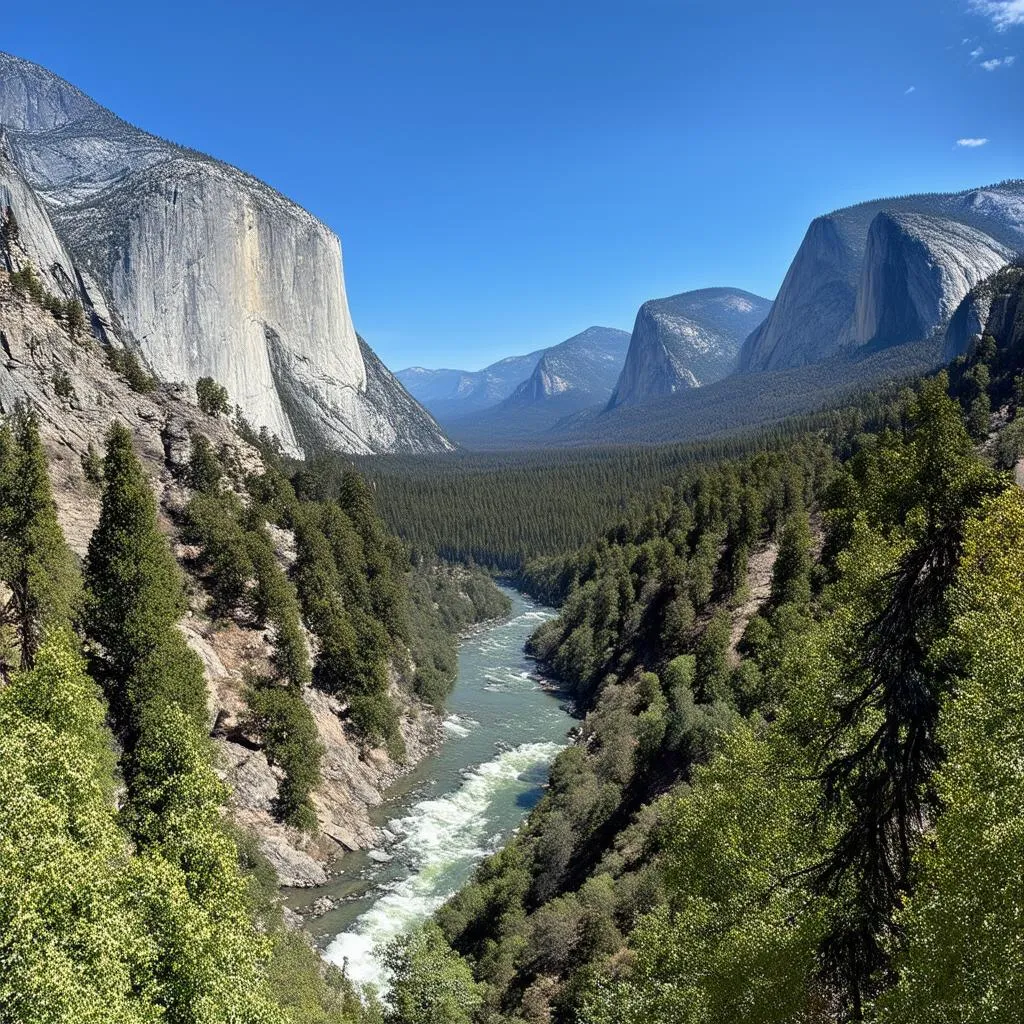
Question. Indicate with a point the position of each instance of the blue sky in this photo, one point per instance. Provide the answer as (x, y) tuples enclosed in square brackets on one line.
[(503, 175)]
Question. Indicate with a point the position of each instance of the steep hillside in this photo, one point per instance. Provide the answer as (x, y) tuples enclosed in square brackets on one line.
[(686, 341), (176, 245), (852, 264)]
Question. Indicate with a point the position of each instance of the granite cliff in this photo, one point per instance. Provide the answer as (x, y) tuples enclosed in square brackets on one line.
[(201, 268), (686, 341), (885, 272)]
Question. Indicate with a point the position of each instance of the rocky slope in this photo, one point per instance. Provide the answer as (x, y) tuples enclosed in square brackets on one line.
[(989, 307), (885, 272), (205, 270), (686, 341), (37, 354)]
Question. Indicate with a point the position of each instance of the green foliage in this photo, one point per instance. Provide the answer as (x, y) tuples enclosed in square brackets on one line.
[(204, 468), (62, 386), (96, 929), (126, 362), (506, 510), (92, 465), (430, 984), (963, 957), (74, 318), (134, 589), (791, 574), (816, 857), (35, 562), (212, 397), (212, 521), (444, 601), (280, 717), (308, 990), (25, 281)]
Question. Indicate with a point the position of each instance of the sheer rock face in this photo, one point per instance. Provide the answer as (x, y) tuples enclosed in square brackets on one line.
[(917, 269), (207, 271), (843, 288), (686, 341)]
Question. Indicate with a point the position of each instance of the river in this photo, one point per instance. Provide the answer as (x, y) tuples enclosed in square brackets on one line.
[(502, 730)]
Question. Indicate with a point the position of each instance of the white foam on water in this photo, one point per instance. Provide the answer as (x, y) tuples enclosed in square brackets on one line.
[(458, 726), (439, 835)]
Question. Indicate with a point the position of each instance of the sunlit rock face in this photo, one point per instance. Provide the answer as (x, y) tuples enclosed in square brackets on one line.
[(686, 341), (886, 272), (206, 271)]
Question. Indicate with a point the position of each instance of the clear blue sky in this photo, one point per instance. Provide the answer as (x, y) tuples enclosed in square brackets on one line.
[(504, 174)]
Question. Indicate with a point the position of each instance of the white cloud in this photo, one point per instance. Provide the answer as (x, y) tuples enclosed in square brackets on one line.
[(1003, 14), (971, 143), (913, 88), (975, 54), (996, 62)]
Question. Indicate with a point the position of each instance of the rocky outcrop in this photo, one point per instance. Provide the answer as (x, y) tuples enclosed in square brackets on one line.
[(685, 341), (205, 270), (354, 777), (842, 292), (585, 366), (994, 306)]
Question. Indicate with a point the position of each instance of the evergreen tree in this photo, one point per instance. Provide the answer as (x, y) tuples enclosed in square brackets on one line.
[(791, 574), (134, 595), (35, 562)]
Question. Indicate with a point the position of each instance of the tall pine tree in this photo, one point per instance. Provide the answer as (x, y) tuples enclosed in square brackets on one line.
[(35, 562), (135, 597)]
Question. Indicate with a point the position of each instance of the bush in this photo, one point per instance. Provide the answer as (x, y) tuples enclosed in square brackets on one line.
[(126, 363), (212, 397), (279, 715), (62, 386)]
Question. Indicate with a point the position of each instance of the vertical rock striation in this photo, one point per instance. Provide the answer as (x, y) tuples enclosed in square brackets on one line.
[(205, 270), (885, 272)]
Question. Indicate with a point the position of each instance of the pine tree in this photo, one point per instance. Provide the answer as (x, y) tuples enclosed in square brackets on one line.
[(35, 562), (135, 597)]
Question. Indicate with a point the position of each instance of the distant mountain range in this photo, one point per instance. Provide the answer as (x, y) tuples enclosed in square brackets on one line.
[(571, 375), (451, 394), (884, 289)]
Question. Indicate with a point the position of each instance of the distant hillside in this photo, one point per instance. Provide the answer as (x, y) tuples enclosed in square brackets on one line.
[(452, 394)]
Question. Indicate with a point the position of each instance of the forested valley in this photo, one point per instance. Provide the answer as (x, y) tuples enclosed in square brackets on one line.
[(126, 892), (796, 793), (795, 789)]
